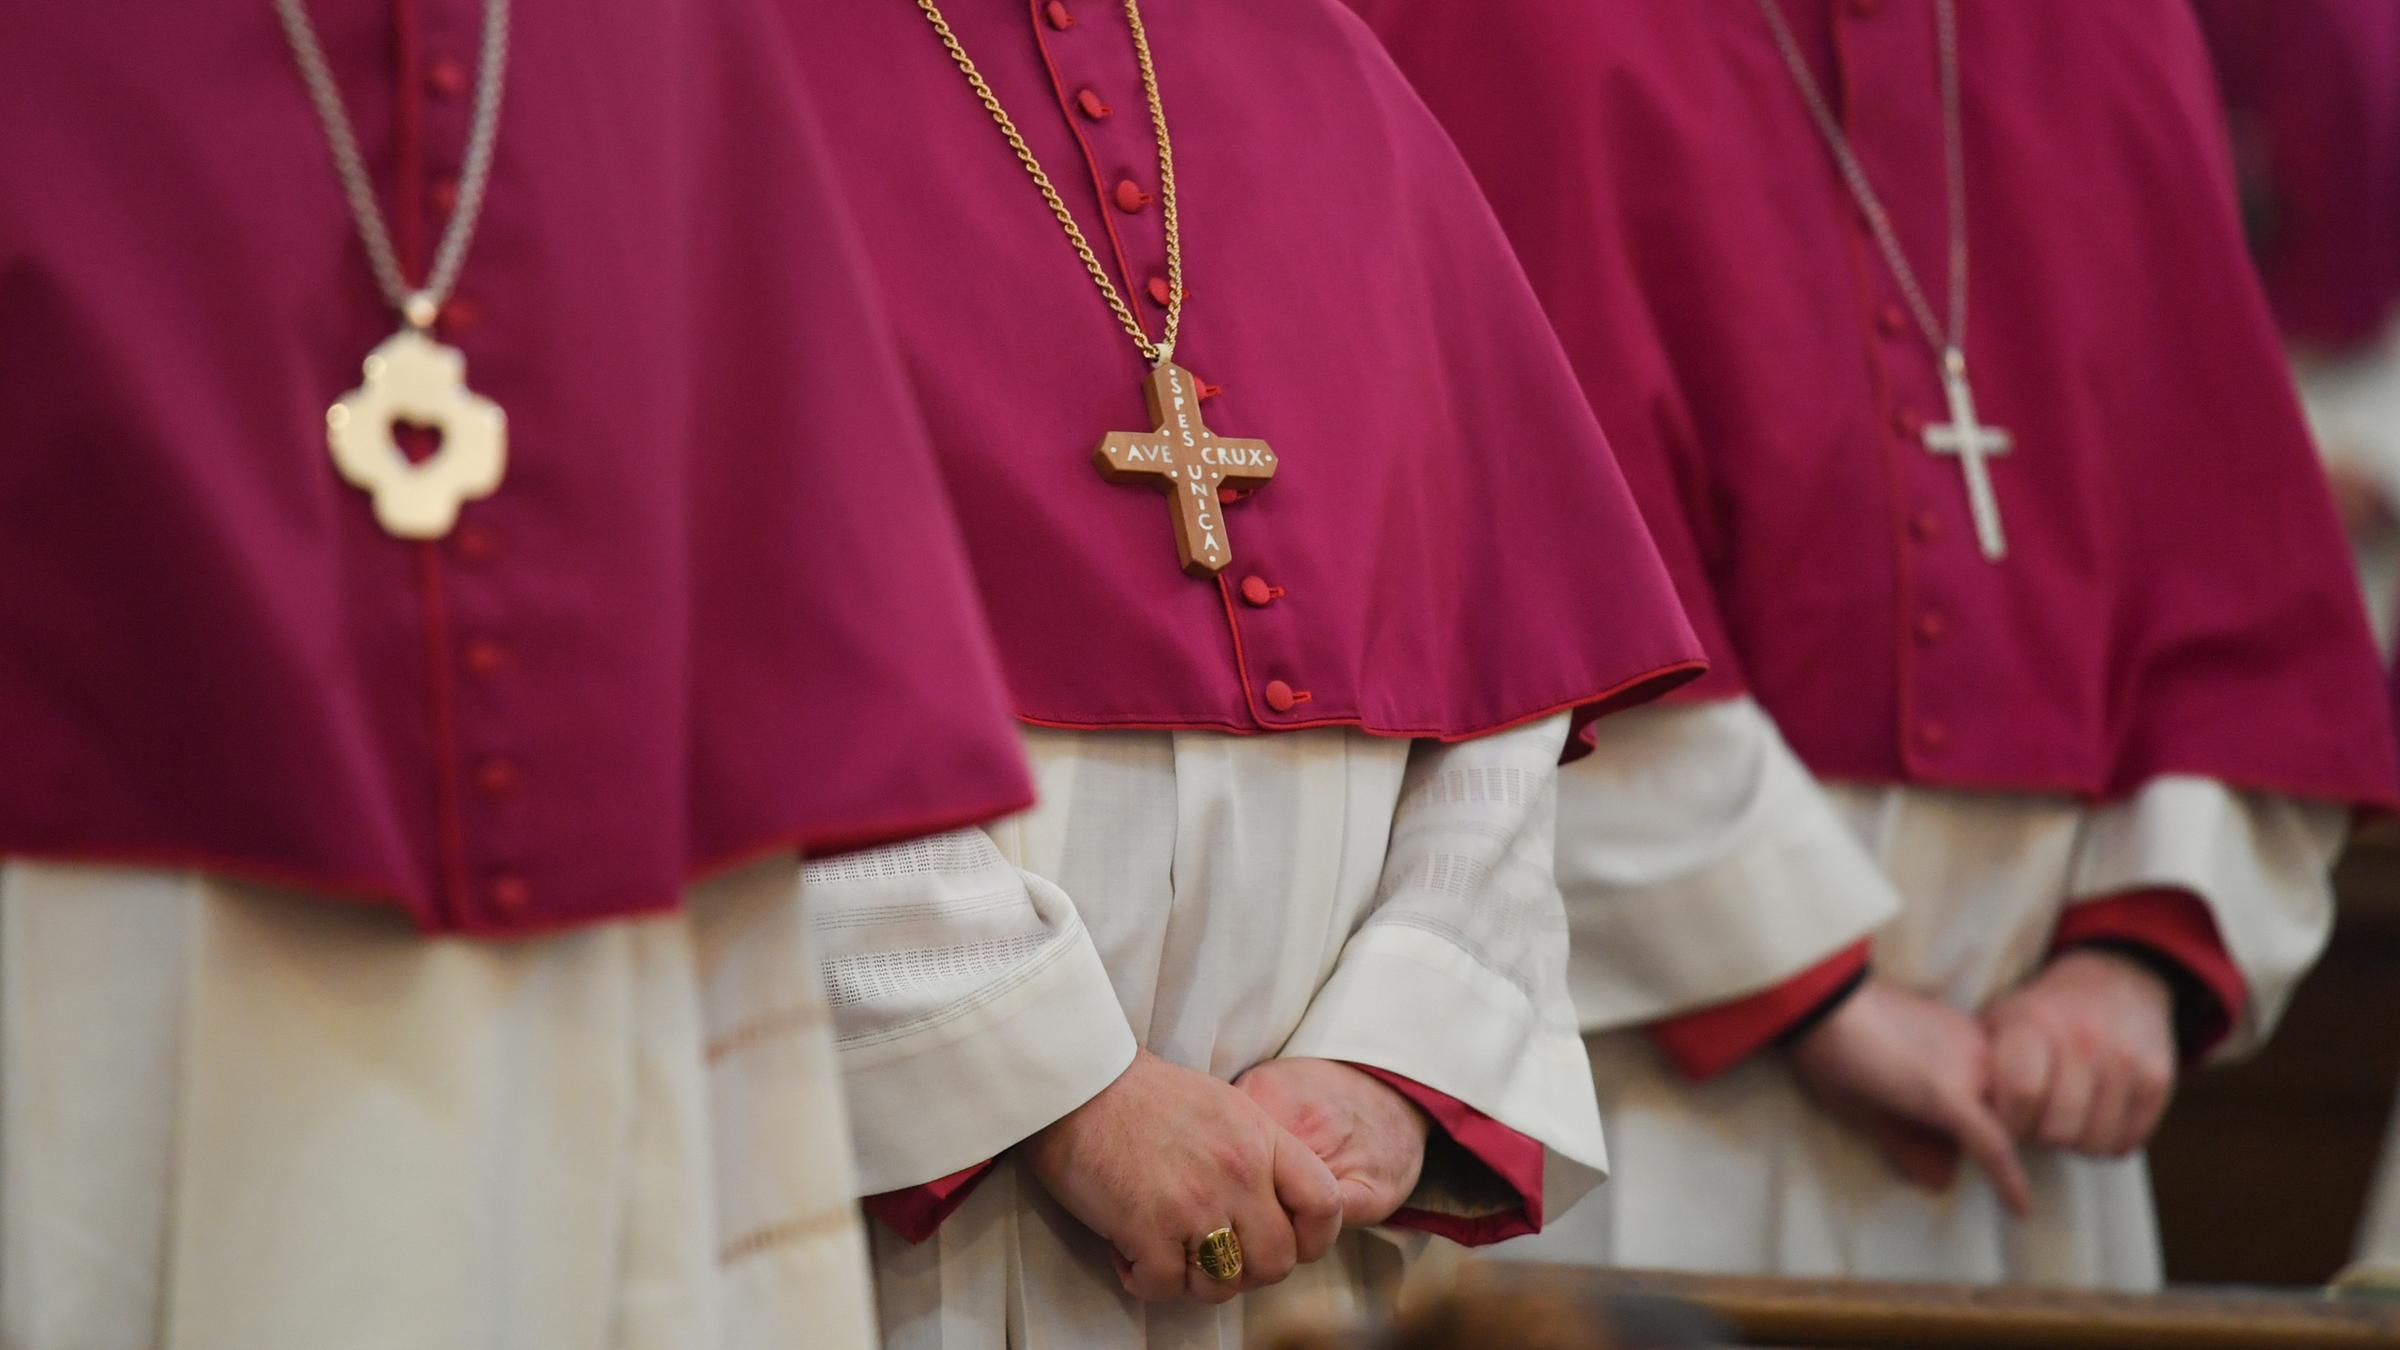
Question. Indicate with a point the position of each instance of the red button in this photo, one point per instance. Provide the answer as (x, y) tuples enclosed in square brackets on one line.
[(1130, 196), (508, 893), (460, 313), (1257, 591), (1058, 16), (1932, 736), (1924, 526), (1279, 696), (1207, 390), (1909, 423), (444, 196), (1932, 627), (1160, 292), (476, 543), (486, 658), (446, 76), (497, 777), (1091, 105), (1893, 321)]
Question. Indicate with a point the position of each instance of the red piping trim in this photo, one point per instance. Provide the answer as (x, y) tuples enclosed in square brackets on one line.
[(450, 900), (1091, 163), (827, 840), (819, 842), (2098, 795), (1665, 677), (442, 712)]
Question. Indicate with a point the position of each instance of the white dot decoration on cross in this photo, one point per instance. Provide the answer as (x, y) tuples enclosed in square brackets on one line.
[(1182, 458)]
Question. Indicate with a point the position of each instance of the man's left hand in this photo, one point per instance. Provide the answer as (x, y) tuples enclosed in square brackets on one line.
[(2083, 1057), (1372, 1137)]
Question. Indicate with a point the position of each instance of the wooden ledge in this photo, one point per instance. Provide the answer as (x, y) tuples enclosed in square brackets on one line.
[(1865, 1315)]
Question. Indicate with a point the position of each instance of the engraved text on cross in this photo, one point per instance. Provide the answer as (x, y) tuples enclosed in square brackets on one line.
[(1183, 459)]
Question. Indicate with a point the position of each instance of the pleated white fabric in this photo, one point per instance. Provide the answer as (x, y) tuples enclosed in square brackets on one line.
[(1219, 900), (2353, 403), (232, 1119), (1742, 1174)]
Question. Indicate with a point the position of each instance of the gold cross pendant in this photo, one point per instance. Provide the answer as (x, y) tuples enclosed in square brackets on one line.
[(1183, 459)]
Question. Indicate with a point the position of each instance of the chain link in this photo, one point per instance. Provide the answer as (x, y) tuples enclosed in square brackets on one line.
[(1869, 204), (1155, 352), (419, 305)]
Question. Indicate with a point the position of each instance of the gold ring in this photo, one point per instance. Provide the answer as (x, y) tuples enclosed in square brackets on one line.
[(1219, 1256)]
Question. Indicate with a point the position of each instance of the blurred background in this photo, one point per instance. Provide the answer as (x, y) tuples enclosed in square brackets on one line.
[(2267, 1172)]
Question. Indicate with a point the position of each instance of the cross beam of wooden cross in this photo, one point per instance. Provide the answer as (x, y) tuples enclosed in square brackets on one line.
[(1182, 458)]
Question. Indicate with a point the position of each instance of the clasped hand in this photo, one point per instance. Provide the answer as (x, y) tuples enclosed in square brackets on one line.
[(1285, 1156), (2082, 1057)]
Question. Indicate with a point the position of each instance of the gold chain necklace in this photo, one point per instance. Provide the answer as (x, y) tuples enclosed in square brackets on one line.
[(1179, 455), (1164, 348)]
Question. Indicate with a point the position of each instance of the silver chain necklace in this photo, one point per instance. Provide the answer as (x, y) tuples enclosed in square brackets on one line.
[(410, 377), (1971, 441)]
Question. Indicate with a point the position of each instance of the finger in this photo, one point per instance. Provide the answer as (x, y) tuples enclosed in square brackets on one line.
[(1202, 1287), (2021, 1065), (1364, 1204), (1986, 1139), (2104, 1128), (1155, 1271), (1306, 1189), (2072, 1084), (1269, 1246)]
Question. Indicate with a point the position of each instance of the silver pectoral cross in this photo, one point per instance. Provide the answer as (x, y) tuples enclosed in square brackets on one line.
[(1973, 443)]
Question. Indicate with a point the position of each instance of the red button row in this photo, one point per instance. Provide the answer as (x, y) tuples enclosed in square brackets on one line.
[(446, 76), (508, 893)]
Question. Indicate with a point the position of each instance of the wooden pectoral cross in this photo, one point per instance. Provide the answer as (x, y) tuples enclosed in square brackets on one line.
[(1184, 459), (1973, 443)]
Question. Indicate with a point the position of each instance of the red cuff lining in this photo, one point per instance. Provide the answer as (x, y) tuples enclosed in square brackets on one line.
[(1513, 1157), (1706, 1043), (915, 1212), (2178, 927)]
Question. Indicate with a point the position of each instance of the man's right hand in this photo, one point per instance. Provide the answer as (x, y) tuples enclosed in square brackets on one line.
[(1165, 1155), (1910, 1073)]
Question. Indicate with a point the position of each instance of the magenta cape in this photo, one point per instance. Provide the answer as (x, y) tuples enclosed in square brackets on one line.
[(2313, 94), (2177, 598), (717, 608), (1446, 548)]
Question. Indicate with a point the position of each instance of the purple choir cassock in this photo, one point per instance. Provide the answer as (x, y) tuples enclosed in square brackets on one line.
[(2174, 602), (717, 607), (716, 613), (1437, 500), (1445, 558), (2312, 93)]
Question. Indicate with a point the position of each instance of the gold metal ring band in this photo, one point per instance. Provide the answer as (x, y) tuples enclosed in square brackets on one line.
[(1219, 1256)]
